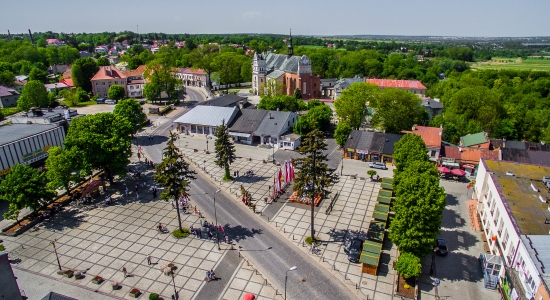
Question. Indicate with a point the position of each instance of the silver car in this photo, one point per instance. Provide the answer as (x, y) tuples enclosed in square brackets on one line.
[(378, 165)]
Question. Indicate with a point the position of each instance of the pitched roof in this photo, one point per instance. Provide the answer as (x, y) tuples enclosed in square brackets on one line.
[(276, 74), (223, 101), (468, 155), (137, 72), (191, 71), (401, 84), (7, 91), (473, 139), (274, 126), (360, 140), (391, 139), (68, 82), (108, 72), (59, 85), (248, 121), (13, 132), (208, 115), (432, 103), (378, 142), (56, 296), (282, 62), (430, 135), (525, 156)]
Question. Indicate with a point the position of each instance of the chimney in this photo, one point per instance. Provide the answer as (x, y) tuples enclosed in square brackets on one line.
[(269, 116), (111, 68), (240, 105)]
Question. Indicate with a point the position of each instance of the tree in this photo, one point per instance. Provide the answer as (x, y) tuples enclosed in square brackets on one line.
[(34, 95), (351, 105), (409, 148), (24, 187), (225, 150), (134, 62), (38, 74), (132, 111), (82, 71), (228, 66), (101, 141), (297, 93), (408, 265), (116, 92), (419, 204), (7, 78), (314, 175), (59, 168), (246, 71), (160, 80), (341, 133), (396, 110), (317, 118), (371, 173), (103, 61), (174, 174)]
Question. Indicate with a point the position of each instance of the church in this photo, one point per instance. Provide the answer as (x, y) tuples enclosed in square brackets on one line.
[(290, 71)]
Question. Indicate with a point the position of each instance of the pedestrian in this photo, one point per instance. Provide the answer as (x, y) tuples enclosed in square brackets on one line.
[(149, 259), (200, 215), (155, 193), (237, 173), (195, 209), (144, 183), (125, 272), (126, 191), (137, 196), (136, 187), (226, 238), (170, 202)]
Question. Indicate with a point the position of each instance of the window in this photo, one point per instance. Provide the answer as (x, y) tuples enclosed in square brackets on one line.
[(103, 83), (496, 217), (116, 82), (97, 83), (500, 225), (505, 239), (432, 153)]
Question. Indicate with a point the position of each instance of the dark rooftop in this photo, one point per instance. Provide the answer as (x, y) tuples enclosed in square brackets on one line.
[(389, 144), (248, 120), (224, 101), (13, 132)]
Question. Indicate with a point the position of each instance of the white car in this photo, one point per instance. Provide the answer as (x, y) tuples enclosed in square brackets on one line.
[(109, 101), (378, 165)]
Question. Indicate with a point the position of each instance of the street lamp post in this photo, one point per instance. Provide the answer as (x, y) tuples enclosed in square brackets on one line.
[(56, 255), (207, 144), (273, 155), (216, 218), (286, 276), (175, 296)]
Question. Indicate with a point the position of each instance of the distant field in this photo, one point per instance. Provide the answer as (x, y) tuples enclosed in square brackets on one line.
[(500, 63), (312, 46)]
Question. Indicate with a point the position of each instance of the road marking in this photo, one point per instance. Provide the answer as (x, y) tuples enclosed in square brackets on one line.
[(333, 150)]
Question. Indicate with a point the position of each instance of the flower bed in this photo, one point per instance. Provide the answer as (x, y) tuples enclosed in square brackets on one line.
[(135, 292), (97, 280)]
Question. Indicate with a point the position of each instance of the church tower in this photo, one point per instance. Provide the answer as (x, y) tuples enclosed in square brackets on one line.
[(259, 72), (290, 51)]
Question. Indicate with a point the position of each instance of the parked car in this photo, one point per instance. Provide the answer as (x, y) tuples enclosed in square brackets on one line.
[(441, 247), (353, 249), (378, 165), (100, 100), (109, 101)]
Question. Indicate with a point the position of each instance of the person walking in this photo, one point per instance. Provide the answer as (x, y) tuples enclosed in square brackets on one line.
[(136, 187), (126, 191), (170, 202), (154, 192), (137, 196), (149, 259), (125, 272), (195, 209)]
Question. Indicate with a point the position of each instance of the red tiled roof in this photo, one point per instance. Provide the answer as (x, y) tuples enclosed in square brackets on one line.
[(108, 72), (192, 71), (68, 82), (137, 72), (402, 84), (469, 155), (430, 135), (52, 41)]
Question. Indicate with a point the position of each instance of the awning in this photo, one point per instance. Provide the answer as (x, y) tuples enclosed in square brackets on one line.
[(246, 135), (360, 151)]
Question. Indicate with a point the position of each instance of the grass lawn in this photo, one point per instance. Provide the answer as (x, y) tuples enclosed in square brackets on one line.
[(8, 111), (498, 63), (81, 104), (312, 46)]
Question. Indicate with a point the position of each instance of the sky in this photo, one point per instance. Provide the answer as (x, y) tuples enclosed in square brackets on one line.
[(472, 18)]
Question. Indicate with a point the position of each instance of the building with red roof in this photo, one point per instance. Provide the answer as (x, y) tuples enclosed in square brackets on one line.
[(431, 137), (193, 77), (105, 77), (414, 86)]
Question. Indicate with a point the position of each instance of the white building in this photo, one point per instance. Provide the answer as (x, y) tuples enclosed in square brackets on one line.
[(515, 216), (204, 119)]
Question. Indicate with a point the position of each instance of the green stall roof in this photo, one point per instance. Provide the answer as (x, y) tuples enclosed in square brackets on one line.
[(382, 208), (380, 216), (384, 200), (387, 186), (387, 180), (376, 230), (385, 193), (371, 253)]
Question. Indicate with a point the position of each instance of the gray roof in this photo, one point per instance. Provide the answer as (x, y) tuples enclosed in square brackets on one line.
[(248, 121), (275, 125), (282, 62), (223, 101), (208, 115), (432, 103), (276, 74), (538, 247), (6, 91), (378, 141), (360, 140), (346, 82), (13, 132), (56, 296), (391, 139)]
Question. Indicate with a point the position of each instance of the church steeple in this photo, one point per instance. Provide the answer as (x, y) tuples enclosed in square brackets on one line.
[(290, 50)]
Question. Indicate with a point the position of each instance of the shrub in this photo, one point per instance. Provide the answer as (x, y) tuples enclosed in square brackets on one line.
[(371, 173), (408, 265), (153, 296), (2, 247), (315, 240), (179, 234)]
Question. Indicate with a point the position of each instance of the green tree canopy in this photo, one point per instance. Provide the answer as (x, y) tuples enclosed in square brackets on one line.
[(228, 66), (34, 95), (24, 187), (101, 141), (116, 92), (352, 104), (60, 169), (225, 150), (82, 71), (341, 133), (317, 118), (408, 265), (396, 110), (410, 148), (160, 80), (283, 103), (132, 111), (103, 61), (38, 74)]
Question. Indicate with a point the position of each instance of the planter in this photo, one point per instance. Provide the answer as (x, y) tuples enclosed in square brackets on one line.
[(115, 285), (135, 293), (78, 275), (167, 271), (68, 273), (97, 280)]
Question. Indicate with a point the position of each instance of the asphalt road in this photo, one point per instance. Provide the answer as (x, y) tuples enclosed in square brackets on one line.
[(266, 249)]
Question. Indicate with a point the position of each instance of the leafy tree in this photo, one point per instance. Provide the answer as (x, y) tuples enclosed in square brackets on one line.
[(352, 103), (160, 80), (297, 93), (38, 74), (225, 150), (24, 187), (134, 62), (34, 95), (396, 110), (82, 71), (341, 133), (132, 111), (228, 66), (371, 173), (408, 265), (103, 61), (314, 175), (102, 141), (173, 173), (418, 207), (317, 118), (409, 148), (60, 170), (246, 71), (283, 103), (116, 92), (7, 78)]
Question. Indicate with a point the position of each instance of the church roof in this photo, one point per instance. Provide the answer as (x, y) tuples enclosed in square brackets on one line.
[(276, 74), (282, 62)]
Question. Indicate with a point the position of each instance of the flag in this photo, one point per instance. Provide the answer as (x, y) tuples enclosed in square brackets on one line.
[(291, 171), (287, 172), (280, 174), (274, 186)]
